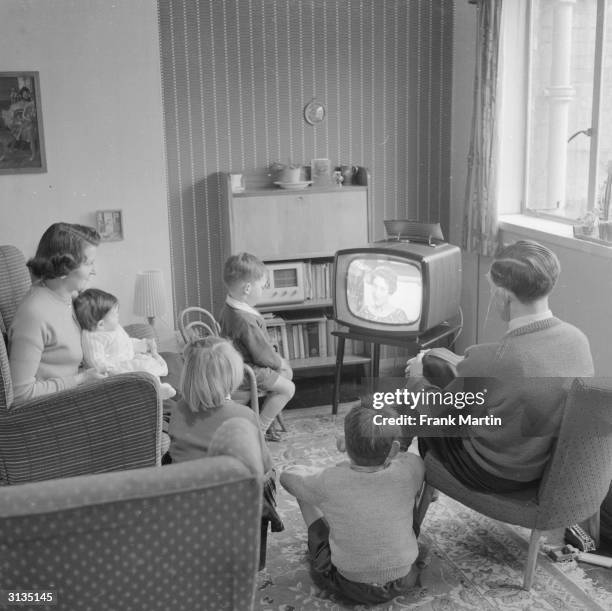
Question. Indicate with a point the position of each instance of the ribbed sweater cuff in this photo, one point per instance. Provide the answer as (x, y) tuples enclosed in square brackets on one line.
[(377, 576)]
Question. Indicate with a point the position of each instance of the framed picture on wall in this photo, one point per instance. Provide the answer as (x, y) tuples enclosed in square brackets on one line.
[(109, 224), (22, 147)]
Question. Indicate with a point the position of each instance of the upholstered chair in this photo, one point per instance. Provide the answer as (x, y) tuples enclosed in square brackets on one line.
[(575, 481), (173, 538), (108, 425)]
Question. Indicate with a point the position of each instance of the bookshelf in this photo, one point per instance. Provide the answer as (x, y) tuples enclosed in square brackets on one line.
[(306, 226)]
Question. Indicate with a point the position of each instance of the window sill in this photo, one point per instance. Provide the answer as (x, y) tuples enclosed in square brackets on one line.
[(517, 226)]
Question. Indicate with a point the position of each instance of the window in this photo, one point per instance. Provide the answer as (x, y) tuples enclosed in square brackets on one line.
[(568, 169)]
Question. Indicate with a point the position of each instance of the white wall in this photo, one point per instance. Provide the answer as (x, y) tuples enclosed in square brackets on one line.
[(103, 128)]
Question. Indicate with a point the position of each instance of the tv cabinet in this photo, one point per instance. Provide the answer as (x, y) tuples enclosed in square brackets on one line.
[(307, 225)]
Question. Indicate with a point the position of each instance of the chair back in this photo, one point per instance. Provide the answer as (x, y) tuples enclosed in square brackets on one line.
[(185, 536), (195, 322), (6, 384), (579, 472), (14, 284)]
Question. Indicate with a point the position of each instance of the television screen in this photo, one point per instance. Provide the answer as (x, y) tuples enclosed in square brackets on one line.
[(397, 287), (384, 289)]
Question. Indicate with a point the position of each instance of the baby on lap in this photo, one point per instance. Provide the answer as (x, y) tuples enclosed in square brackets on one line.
[(106, 345)]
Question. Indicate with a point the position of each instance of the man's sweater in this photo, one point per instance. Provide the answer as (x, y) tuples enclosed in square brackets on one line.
[(525, 376)]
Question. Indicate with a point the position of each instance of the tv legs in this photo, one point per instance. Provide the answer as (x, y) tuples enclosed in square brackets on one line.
[(338, 376)]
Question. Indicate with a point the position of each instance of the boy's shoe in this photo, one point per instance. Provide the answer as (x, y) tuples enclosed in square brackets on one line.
[(272, 435)]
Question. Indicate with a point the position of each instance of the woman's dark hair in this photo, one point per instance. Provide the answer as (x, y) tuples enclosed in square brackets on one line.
[(388, 275), (60, 250), (91, 306), (526, 268)]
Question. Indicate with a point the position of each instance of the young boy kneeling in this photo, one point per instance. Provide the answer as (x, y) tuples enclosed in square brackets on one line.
[(359, 513)]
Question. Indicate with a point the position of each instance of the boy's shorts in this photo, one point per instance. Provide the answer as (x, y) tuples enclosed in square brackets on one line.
[(266, 377), (326, 575)]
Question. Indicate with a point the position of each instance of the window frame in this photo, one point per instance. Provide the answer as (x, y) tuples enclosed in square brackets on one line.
[(593, 176)]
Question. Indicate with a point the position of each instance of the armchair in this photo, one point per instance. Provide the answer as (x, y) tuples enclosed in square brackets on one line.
[(185, 536), (575, 481), (104, 426)]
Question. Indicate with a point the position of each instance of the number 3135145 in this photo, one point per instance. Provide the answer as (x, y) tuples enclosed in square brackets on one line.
[(18, 597)]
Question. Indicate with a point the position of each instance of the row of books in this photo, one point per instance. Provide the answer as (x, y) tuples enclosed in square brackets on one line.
[(307, 338), (318, 280)]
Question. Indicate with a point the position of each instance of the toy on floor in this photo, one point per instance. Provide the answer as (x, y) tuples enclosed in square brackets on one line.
[(568, 553)]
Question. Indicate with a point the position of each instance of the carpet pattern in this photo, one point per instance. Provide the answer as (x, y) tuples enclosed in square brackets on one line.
[(475, 562)]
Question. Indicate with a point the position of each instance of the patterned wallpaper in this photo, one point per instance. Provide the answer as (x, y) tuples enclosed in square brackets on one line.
[(236, 75)]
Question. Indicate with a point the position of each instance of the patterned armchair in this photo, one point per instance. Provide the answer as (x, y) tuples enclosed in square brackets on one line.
[(109, 425), (575, 481), (184, 536)]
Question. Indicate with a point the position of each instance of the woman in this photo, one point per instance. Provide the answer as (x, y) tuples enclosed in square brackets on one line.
[(384, 284), (522, 375), (45, 339)]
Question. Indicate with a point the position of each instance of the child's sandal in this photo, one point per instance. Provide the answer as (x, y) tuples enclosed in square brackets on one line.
[(272, 435)]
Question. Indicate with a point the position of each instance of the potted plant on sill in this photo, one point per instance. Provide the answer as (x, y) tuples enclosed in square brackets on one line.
[(594, 227), (586, 226)]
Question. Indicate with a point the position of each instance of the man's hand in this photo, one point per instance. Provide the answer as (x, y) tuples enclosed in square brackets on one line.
[(414, 366)]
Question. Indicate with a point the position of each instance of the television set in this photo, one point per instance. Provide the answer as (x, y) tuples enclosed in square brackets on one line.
[(397, 286)]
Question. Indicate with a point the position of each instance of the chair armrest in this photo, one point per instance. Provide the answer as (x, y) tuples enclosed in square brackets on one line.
[(108, 425), (51, 496)]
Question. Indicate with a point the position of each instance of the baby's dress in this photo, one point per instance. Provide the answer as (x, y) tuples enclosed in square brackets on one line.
[(116, 352)]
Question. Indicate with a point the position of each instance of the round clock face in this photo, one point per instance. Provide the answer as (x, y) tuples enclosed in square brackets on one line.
[(314, 112)]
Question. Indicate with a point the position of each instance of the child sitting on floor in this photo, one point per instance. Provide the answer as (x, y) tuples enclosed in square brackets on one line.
[(359, 513), (106, 345), (244, 276), (212, 370)]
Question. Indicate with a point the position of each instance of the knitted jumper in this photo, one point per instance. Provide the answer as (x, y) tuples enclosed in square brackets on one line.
[(525, 375), (44, 345), (192, 432), (250, 337), (369, 515)]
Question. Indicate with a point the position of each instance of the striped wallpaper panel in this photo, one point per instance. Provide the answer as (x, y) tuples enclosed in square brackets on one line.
[(236, 75)]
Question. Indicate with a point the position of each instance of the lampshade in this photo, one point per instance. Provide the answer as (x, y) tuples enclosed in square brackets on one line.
[(150, 294)]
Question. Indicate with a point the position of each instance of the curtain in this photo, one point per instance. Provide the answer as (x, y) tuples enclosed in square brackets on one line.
[(480, 203)]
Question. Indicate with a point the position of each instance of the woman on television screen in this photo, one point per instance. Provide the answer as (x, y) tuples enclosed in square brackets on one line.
[(379, 308)]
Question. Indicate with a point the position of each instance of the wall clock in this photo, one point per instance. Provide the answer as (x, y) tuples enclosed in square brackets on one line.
[(314, 112)]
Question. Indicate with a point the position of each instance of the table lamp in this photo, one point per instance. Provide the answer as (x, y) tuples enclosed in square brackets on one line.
[(150, 294)]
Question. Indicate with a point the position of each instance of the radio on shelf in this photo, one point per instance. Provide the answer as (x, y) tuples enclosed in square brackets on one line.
[(286, 284)]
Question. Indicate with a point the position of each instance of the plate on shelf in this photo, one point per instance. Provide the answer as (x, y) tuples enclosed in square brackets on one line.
[(293, 185)]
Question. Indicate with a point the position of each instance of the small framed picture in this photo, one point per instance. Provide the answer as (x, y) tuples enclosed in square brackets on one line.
[(320, 172), (109, 224)]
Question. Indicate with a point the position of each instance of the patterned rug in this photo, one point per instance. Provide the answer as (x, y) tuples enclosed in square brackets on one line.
[(475, 562)]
